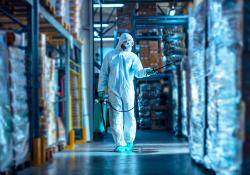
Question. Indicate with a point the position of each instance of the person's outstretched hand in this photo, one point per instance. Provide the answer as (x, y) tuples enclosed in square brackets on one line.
[(149, 71), (101, 95)]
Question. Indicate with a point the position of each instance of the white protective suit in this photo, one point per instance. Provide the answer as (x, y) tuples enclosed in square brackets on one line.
[(117, 72)]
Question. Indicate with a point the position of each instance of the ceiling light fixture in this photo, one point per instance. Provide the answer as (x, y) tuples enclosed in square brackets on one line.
[(96, 33), (99, 25), (104, 39), (108, 5), (172, 10)]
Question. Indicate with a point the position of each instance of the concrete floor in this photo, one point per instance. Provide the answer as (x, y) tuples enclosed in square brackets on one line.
[(155, 153)]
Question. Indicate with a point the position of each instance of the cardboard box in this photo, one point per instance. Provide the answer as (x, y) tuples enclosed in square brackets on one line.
[(153, 45), (147, 9), (127, 9)]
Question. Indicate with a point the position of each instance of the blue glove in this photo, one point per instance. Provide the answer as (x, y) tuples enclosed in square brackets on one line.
[(101, 95), (149, 71)]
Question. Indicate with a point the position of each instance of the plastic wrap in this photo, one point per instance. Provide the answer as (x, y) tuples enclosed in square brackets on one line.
[(6, 141), (49, 95), (174, 44), (197, 81), (19, 105), (60, 8), (49, 90), (175, 103), (184, 120), (224, 144)]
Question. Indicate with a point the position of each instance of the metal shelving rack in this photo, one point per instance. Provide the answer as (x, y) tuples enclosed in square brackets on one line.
[(157, 22), (34, 20)]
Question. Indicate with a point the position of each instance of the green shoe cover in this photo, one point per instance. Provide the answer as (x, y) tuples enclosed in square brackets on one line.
[(130, 147), (121, 149)]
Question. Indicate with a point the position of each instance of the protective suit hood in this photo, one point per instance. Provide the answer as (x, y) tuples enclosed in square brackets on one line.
[(125, 37)]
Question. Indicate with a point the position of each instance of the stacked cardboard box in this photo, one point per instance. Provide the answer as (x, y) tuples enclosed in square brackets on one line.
[(74, 14), (147, 32), (147, 9), (124, 17), (150, 54)]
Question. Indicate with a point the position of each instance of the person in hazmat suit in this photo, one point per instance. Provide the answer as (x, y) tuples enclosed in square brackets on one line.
[(118, 70)]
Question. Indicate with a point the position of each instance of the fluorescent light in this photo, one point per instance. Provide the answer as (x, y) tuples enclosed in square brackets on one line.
[(108, 5), (99, 25), (172, 11), (95, 33), (104, 39)]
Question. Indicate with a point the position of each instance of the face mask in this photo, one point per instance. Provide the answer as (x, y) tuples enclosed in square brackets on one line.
[(129, 44)]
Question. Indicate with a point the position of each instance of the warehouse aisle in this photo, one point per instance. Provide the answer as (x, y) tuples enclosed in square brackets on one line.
[(155, 153)]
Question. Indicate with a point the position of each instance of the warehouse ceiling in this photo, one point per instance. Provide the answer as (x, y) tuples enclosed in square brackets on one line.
[(109, 15)]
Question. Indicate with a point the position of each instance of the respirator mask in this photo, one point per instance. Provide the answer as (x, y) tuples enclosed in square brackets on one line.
[(127, 45)]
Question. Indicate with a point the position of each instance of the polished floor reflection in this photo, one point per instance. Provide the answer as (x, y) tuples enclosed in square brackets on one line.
[(155, 153)]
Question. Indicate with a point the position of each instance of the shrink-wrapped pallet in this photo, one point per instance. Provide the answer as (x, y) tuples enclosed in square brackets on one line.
[(224, 141), (49, 90), (197, 80), (6, 140), (19, 105)]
